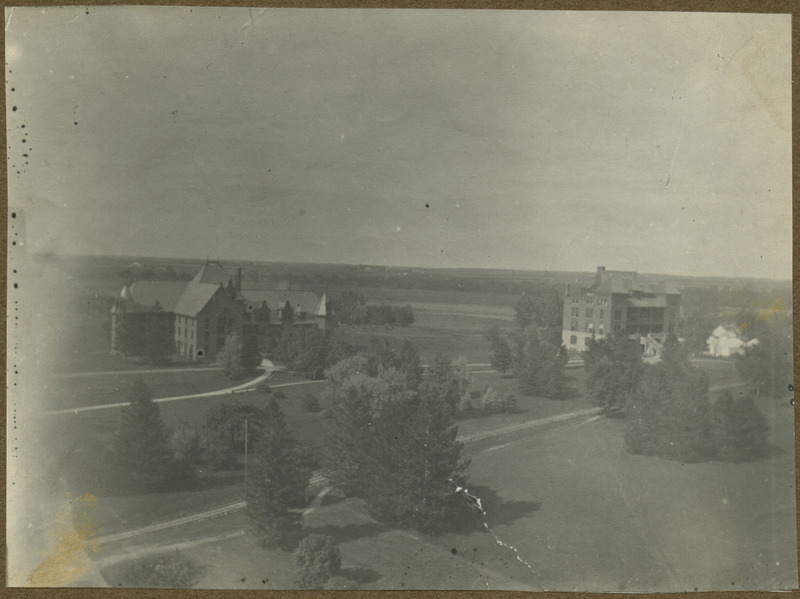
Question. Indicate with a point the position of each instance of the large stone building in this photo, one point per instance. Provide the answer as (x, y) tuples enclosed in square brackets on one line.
[(204, 311), (618, 303)]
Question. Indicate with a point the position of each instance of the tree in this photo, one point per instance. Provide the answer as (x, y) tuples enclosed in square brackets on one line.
[(230, 356), (767, 363), (393, 447), (316, 560), (277, 481), (525, 311), (144, 458), (490, 401), (251, 358), (501, 356), (409, 364), (287, 314), (405, 315), (738, 430), (667, 413), (613, 367), (539, 366), (223, 432), (448, 381)]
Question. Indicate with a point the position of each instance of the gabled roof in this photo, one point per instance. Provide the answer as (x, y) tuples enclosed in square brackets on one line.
[(212, 272), (308, 300), (322, 308), (144, 295), (194, 298)]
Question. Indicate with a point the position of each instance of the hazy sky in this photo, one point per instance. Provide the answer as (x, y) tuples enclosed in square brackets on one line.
[(657, 142)]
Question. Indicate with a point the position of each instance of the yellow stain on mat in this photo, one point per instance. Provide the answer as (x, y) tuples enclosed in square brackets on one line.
[(69, 559)]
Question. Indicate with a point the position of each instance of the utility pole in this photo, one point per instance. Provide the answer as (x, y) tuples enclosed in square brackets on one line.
[(245, 449)]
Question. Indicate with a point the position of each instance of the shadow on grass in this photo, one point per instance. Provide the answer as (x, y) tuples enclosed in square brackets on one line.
[(360, 575), (500, 511), (349, 532)]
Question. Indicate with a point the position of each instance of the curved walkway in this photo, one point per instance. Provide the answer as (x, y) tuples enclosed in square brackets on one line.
[(244, 387)]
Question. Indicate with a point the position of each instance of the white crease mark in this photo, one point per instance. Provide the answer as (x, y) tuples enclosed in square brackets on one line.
[(478, 505), (10, 14)]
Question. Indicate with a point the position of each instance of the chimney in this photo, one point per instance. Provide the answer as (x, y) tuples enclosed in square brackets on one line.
[(239, 280), (601, 269)]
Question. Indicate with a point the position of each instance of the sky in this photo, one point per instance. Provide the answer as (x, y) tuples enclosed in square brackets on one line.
[(655, 142)]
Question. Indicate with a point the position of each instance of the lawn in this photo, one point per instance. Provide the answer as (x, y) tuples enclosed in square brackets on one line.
[(581, 513), (113, 388)]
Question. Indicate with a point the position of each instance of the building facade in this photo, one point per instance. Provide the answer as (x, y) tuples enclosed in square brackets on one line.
[(618, 303), (200, 314)]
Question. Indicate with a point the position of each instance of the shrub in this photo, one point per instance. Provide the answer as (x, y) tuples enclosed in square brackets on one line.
[(491, 401), (316, 560), (264, 388), (326, 413), (509, 402), (311, 403), (168, 570), (187, 445), (280, 395)]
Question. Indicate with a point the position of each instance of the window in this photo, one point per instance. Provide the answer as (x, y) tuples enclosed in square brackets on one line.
[(602, 314), (586, 341), (589, 313), (573, 325), (589, 327), (573, 340), (575, 310), (601, 329)]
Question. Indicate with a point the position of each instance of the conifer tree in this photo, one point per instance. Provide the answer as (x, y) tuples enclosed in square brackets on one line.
[(145, 461), (277, 480)]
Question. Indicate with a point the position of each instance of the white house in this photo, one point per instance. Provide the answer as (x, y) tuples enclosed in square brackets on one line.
[(726, 341)]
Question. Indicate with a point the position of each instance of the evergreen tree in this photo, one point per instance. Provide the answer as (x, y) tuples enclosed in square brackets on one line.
[(287, 314), (667, 413), (613, 367), (145, 460), (251, 358), (230, 356), (738, 430), (277, 481)]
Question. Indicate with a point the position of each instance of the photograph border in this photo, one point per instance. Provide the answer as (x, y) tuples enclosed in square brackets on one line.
[(767, 6)]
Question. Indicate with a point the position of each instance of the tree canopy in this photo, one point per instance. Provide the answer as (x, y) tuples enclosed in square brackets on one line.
[(144, 457), (277, 481), (392, 446)]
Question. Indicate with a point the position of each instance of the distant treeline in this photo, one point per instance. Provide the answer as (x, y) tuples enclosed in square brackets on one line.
[(351, 308)]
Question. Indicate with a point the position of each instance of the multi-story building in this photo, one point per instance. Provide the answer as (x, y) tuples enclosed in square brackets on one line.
[(200, 314), (618, 303)]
